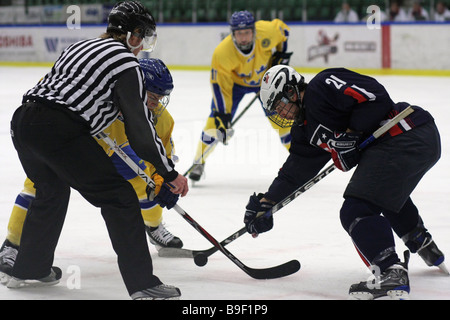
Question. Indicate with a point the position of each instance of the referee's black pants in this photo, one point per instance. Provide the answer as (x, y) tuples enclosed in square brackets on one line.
[(57, 152)]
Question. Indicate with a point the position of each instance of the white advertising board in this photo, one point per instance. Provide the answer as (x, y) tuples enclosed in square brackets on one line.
[(423, 46)]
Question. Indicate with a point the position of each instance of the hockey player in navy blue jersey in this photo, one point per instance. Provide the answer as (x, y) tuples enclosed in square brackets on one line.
[(331, 116)]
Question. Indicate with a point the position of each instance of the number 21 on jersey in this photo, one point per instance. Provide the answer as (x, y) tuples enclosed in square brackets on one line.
[(360, 94)]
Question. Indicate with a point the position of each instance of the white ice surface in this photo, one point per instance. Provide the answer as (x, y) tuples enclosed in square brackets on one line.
[(308, 229)]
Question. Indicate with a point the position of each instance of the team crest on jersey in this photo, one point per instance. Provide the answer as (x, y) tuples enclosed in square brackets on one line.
[(265, 43), (321, 136)]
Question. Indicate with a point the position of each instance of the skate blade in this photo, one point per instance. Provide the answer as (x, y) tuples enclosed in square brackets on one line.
[(360, 296), (170, 298), (195, 183), (444, 269), (196, 180), (392, 294), (398, 294), (15, 283)]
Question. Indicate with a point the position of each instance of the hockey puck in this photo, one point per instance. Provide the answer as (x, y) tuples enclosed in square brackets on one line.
[(200, 260)]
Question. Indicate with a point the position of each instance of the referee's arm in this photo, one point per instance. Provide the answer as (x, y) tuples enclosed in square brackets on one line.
[(138, 128)]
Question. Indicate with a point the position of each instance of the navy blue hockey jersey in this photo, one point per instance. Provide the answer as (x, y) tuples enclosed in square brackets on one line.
[(337, 99)]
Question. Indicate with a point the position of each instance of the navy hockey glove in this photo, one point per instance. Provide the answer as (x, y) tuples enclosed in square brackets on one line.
[(280, 58), (166, 198), (223, 125), (254, 207), (344, 150)]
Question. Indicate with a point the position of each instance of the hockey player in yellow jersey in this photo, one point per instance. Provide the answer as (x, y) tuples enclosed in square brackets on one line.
[(237, 66), (159, 85)]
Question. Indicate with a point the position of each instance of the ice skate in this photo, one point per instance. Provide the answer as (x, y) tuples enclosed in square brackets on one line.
[(431, 254), (160, 292), (8, 254), (393, 283), (197, 172), (50, 280), (420, 241), (160, 236)]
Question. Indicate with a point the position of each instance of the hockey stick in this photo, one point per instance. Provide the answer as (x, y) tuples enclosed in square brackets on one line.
[(118, 150), (279, 271), (216, 141), (378, 133), (387, 126), (245, 109), (201, 256)]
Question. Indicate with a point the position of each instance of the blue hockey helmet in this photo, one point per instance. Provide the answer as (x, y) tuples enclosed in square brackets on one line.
[(242, 20), (157, 76), (158, 80)]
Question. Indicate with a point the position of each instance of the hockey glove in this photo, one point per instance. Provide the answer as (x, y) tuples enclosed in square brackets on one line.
[(344, 150), (223, 125), (280, 58), (253, 223), (166, 198), (151, 193)]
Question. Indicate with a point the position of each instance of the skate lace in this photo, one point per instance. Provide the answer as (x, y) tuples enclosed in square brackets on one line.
[(162, 234), (8, 255), (426, 242)]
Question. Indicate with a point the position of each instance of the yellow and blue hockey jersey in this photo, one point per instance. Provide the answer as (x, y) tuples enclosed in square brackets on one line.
[(151, 211), (164, 127), (229, 66)]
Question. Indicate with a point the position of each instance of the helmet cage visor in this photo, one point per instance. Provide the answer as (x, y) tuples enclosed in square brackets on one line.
[(162, 101), (291, 113), (286, 95), (279, 120), (148, 36), (162, 105)]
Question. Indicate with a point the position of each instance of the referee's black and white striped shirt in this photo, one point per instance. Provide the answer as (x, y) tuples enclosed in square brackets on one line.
[(83, 80)]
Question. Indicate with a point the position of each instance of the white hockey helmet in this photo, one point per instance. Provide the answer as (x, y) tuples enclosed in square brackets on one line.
[(280, 83)]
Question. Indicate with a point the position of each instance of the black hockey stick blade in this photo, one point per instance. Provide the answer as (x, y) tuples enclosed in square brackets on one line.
[(275, 272), (279, 271)]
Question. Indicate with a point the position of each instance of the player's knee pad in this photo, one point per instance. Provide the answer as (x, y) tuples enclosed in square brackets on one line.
[(353, 210)]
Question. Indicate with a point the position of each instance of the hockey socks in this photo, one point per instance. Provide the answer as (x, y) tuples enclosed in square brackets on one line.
[(371, 233), (374, 241)]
